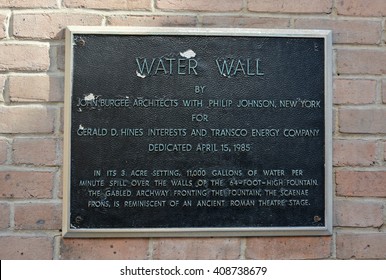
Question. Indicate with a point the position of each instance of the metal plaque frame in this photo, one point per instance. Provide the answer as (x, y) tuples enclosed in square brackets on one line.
[(69, 231)]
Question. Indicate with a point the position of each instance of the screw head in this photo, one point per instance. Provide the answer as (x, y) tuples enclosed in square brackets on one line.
[(80, 41), (78, 219), (317, 219)]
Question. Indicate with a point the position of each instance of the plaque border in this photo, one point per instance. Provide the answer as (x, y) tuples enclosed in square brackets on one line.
[(67, 231)]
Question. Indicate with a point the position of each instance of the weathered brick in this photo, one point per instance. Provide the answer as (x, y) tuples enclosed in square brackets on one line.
[(243, 21), (26, 119), (358, 214), (60, 57), (349, 91), (361, 245), (4, 217), (38, 216), (34, 88), (361, 61), (94, 249), (346, 31), (376, 8), (3, 31), (26, 184), (110, 5), (50, 26), (156, 20), (334, 118), (28, 3), (360, 183), (26, 248), (200, 5), (384, 91), (61, 126), (3, 151), (60, 190), (24, 57), (354, 152), (2, 85), (191, 248), (288, 248), (362, 120), (59, 152), (384, 151), (290, 6), (384, 32), (38, 151)]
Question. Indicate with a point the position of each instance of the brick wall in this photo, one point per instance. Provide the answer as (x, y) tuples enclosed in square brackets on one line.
[(31, 116)]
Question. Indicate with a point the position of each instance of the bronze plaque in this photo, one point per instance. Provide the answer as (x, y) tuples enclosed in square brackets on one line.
[(176, 132)]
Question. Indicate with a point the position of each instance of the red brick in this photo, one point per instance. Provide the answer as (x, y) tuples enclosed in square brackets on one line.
[(243, 21), (49, 26), (38, 151), (26, 119), (376, 8), (288, 248), (200, 5), (155, 20), (28, 3), (193, 248), (35, 88), (349, 91), (26, 248), (3, 29), (103, 249), (24, 57), (354, 152), (3, 151), (4, 217), (26, 184), (362, 120), (360, 183), (361, 61), (110, 5), (358, 214), (38, 216), (346, 31), (290, 6), (361, 245)]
